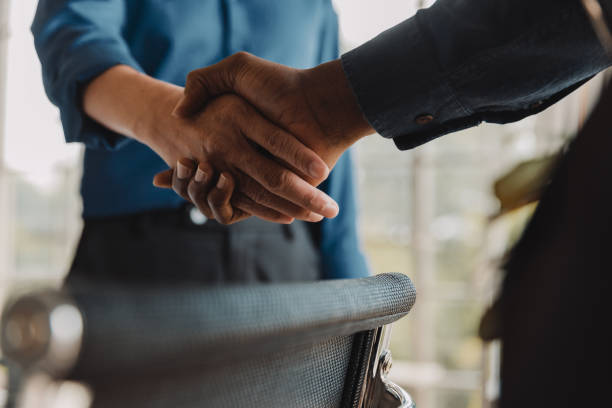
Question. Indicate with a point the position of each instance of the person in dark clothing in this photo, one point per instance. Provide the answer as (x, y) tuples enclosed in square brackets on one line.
[(450, 67)]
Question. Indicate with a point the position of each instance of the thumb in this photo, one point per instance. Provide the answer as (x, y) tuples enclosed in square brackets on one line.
[(163, 179), (194, 98), (204, 84)]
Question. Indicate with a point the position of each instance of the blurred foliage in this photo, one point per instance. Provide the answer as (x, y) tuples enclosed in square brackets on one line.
[(525, 183)]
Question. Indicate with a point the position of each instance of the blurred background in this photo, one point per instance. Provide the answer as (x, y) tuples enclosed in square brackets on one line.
[(430, 213)]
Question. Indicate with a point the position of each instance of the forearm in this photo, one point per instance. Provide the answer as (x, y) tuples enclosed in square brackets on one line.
[(494, 60), (77, 44), (140, 107), (131, 103)]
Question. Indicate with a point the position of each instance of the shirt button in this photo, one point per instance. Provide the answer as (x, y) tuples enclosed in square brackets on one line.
[(423, 119), (197, 217)]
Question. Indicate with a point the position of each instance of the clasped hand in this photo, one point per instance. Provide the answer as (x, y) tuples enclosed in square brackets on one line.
[(266, 135)]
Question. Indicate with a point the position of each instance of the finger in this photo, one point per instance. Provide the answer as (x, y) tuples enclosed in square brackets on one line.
[(238, 216), (242, 74), (199, 187), (259, 195), (219, 200), (181, 177), (286, 184), (284, 146), (244, 203), (206, 83), (163, 179)]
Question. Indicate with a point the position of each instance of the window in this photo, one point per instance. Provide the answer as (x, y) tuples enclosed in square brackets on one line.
[(39, 173)]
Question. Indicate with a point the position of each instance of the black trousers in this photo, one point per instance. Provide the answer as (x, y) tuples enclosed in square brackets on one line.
[(182, 247)]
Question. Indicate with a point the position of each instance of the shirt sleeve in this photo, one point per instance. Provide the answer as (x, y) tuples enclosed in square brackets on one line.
[(462, 62), (77, 40), (341, 253)]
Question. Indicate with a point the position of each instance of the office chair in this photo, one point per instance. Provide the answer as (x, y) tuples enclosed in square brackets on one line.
[(317, 344)]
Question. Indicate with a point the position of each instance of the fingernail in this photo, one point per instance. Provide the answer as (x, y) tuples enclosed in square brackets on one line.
[(330, 210), (200, 176), (222, 182), (182, 171), (317, 170), (314, 217)]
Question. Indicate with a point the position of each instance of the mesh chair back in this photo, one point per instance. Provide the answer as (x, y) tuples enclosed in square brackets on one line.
[(278, 345)]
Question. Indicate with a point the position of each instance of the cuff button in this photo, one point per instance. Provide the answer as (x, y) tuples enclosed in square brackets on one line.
[(424, 119), (536, 105)]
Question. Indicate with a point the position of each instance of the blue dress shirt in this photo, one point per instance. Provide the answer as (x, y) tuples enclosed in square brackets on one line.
[(77, 40), (462, 62)]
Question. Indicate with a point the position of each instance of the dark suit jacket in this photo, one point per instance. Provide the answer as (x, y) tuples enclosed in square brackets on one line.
[(462, 62), (557, 298)]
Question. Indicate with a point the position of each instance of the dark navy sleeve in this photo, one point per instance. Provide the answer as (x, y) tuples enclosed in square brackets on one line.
[(77, 40), (341, 253), (462, 62)]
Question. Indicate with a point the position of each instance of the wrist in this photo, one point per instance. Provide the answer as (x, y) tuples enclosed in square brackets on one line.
[(334, 104), (153, 121), (153, 124), (129, 102)]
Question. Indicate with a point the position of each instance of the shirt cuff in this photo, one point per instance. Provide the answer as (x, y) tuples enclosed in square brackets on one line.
[(407, 95), (377, 72), (77, 71)]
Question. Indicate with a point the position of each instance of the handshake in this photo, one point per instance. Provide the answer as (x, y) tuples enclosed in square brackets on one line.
[(255, 138)]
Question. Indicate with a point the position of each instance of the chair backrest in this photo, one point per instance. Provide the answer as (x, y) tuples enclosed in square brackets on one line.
[(277, 345)]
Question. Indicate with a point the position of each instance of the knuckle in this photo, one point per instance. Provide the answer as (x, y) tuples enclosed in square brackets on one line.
[(241, 203), (275, 141), (205, 209), (216, 144), (298, 159), (216, 199), (239, 66), (285, 180), (278, 181), (191, 76), (259, 196), (310, 196), (223, 219), (251, 192), (273, 181), (198, 200), (209, 144), (179, 188), (215, 203), (241, 57), (225, 113), (193, 79)]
